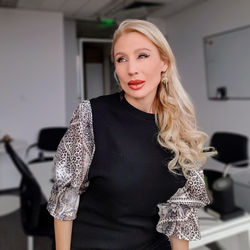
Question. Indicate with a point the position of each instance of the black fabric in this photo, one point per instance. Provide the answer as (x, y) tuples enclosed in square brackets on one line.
[(162, 243), (128, 178)]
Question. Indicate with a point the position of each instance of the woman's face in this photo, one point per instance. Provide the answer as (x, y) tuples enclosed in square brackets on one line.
[(138, 65)]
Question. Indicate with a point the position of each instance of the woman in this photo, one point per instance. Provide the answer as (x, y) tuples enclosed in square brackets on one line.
[(135, 156)]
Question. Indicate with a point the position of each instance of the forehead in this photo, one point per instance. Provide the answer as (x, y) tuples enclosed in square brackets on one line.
[(133, 40)]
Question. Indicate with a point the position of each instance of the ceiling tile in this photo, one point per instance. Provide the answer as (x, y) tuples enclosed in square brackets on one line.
[(91, 8), (29, 4), (176, 7), (53, 5), (69, 7)]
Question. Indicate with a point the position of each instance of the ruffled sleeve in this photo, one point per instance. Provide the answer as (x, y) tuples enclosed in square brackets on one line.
[(71, 164), (178, 216)]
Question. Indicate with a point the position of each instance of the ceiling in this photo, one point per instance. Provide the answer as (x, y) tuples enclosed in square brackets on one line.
[(118, 10), (91, 13)]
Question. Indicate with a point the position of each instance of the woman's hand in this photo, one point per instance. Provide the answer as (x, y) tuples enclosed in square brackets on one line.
[(179, 244)]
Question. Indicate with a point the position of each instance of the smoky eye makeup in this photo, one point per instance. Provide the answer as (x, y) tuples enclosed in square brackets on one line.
[(121, 59), (143, 55), (139, 55)]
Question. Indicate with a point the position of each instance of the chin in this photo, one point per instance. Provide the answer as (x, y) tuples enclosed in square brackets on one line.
[(141, 93), (136, 93)]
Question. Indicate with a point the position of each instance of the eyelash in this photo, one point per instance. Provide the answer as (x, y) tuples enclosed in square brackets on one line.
[(144, 55), (141, 56)]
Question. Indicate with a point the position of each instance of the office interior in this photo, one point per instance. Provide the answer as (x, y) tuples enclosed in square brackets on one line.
[(53, 54)]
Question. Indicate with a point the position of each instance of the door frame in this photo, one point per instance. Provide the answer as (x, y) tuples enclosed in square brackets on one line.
[(80, 63)]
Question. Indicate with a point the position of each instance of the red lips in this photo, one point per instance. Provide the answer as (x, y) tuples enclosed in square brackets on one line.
[(136, 84)]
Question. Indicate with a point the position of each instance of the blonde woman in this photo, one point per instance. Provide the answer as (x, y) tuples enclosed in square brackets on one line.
[(135, 156)]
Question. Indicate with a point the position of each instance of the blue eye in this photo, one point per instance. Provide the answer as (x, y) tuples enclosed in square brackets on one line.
[(141, 56)]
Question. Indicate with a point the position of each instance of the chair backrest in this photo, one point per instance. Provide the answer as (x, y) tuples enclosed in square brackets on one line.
[(30, 192), (49, 138), (20, 165), (231, 147)]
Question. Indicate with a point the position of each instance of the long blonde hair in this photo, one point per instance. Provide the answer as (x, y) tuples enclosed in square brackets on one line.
[(175, 114)]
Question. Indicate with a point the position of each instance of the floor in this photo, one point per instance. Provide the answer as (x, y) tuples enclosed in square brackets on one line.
[(13, 238)]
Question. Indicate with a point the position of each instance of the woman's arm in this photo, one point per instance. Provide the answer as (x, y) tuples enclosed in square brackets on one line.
[(178, 244), (71, 164), (63, 230)]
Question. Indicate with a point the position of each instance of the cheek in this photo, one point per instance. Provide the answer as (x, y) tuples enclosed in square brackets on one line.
[(153, 70), (121, 71)]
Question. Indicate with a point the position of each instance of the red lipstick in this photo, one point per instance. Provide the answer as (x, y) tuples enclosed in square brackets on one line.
[(136, 84)]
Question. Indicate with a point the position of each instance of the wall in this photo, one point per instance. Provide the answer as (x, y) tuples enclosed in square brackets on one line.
[(186, 31), (32, 82), (71, 83)]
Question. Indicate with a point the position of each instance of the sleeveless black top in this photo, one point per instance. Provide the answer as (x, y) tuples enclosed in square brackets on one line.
[(128, 177)]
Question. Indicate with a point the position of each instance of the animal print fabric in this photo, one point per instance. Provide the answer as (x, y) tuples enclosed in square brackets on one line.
[(178, 216), (71, 164)]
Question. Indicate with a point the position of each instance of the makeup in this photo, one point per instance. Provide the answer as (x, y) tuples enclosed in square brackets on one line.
[(136, 84)]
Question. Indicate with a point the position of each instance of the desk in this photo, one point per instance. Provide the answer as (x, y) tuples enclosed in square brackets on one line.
[(215, 230)]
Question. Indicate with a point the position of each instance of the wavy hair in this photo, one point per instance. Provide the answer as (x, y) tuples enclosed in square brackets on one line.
[(174, 111)]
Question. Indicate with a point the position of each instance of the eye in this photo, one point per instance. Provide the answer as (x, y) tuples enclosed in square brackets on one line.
[(141, 56), (121, 59)]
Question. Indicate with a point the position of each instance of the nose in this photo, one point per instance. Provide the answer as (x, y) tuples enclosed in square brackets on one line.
[(132, 67)]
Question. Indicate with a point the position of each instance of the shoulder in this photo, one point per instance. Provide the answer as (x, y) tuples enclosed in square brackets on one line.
[(87, 108), (105, 99), (105, 102), (83, 111)]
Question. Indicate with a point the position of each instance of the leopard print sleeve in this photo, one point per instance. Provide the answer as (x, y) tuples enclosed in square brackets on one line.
[(178, 216), (71, 164)]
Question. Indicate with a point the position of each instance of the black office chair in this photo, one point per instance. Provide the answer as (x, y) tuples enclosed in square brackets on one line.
[(232, 150), (48, 140), (36, 220)]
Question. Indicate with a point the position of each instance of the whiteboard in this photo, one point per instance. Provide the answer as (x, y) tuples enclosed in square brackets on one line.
[(227, 61)]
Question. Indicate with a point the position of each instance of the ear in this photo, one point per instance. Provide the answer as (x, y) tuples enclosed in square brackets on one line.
[(164, 66)]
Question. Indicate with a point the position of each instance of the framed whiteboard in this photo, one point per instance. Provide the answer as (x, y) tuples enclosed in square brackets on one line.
[(227, 62)]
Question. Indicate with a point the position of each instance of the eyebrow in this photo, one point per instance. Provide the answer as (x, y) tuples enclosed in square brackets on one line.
[(137, 50)]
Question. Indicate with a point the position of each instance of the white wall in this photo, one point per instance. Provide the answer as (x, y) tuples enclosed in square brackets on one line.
[(70, 68), (185, 32), (32, 82)]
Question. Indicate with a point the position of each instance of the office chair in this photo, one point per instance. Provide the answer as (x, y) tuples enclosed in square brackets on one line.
[(48, 140), (232, 150), (36, 220)]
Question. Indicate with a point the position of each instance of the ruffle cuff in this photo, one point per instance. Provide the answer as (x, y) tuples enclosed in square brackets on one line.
[(178, 221), (178, 216)]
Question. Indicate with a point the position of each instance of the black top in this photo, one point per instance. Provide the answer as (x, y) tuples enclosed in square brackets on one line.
[(128, 178)]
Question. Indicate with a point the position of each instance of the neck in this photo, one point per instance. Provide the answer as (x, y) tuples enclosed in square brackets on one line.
[(143, 104)]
